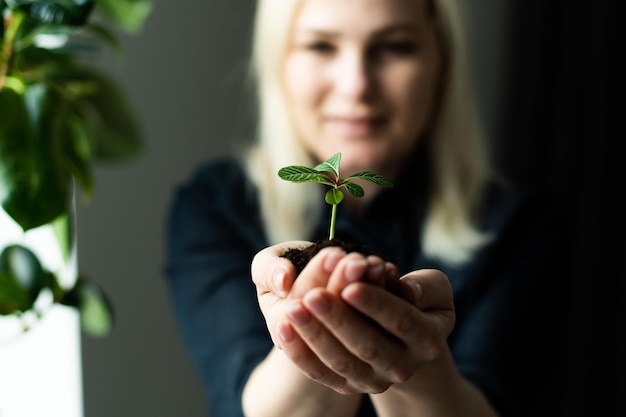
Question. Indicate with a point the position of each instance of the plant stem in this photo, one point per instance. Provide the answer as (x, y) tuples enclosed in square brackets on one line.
[(6, 51), (333, 220)]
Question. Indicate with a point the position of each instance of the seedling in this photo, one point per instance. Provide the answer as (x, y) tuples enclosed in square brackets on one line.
[(328, 173)]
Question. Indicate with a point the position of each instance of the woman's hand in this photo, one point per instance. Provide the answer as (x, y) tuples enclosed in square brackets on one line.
[(275, 280), (362, 338), (348, 322), (275, 277)]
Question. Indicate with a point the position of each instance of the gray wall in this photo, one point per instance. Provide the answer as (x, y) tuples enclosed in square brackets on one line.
[(184, 74)]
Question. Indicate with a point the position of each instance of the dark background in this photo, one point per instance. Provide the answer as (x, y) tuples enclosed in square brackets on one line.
[(546, 76), (558, 125)]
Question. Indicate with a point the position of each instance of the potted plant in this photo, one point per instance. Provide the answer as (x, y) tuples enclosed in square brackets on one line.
[(327, 173), (58, 116)]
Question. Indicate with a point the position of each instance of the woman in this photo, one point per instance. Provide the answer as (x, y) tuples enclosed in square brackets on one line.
[(441, 326)]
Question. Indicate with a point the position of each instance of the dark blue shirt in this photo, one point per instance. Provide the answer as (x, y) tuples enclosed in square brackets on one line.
[(509, 298)]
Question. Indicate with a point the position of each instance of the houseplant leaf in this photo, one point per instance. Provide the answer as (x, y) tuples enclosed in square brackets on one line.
[(21, 279), (24, 266), (58, 117), (99, 111), (109, 119), (13, 134), (2, 6), (34, 180), (96, 311), (78, 152), (64, 232), (130, 15), (13, 298), (63, 12)]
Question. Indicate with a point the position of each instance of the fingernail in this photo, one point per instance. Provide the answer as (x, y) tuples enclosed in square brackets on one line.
[(355, 270), (332, 259), (278, 280), (359, 297), (391, 271), (298, 314), (416, 289), (376, 274), (378, 269), (285, 332), (317, 303)]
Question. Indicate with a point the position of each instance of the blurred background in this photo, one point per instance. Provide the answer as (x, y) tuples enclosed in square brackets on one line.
[(543, 72)]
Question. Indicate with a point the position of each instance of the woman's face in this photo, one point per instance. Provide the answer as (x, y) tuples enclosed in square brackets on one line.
[(361, 77)]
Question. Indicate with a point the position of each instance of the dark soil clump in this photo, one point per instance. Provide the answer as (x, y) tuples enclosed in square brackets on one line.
[(300, 257)]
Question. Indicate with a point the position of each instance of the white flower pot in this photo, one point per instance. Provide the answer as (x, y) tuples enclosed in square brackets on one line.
[(40, 369)]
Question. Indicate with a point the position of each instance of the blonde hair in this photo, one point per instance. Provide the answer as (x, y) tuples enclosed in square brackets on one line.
[(458, 155)]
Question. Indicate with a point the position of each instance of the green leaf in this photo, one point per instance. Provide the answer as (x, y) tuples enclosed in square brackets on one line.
[(96, 311), (334, 196), (372, 177), (33, 181), (2, 6), (295, 173), (354, 189), (78, 153), (46, 110), (33, 64), (43, 35), (13, 298), (98, 110), (14, 135), (108, 37), (61, 12), (23, 266), (116, 133), (330, 165), (21, 279), (63, 230), (130, 15)]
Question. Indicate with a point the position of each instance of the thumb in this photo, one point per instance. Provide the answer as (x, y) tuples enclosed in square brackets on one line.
[(427, 289)]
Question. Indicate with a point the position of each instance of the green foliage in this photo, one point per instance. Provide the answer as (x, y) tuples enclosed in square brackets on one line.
[(96, 311), (23, 279), (327, 173), (58, 117)]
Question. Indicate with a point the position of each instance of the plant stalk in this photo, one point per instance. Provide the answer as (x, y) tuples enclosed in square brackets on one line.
[(333, 220), (14, 22)]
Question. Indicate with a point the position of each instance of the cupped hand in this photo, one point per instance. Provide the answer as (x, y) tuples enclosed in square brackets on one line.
[(275, 278), (348, 322), (364, 338)]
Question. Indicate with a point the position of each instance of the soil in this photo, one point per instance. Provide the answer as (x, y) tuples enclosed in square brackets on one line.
[(300, 257)]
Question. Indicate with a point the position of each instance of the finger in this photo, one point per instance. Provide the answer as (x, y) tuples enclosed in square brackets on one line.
[(273, 273), (304, 358), (318, 271), (376, 273), (351, 268), (348, 343), (395, 315), (392, 276), (427, 330), (374, 270), (427, 289)]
